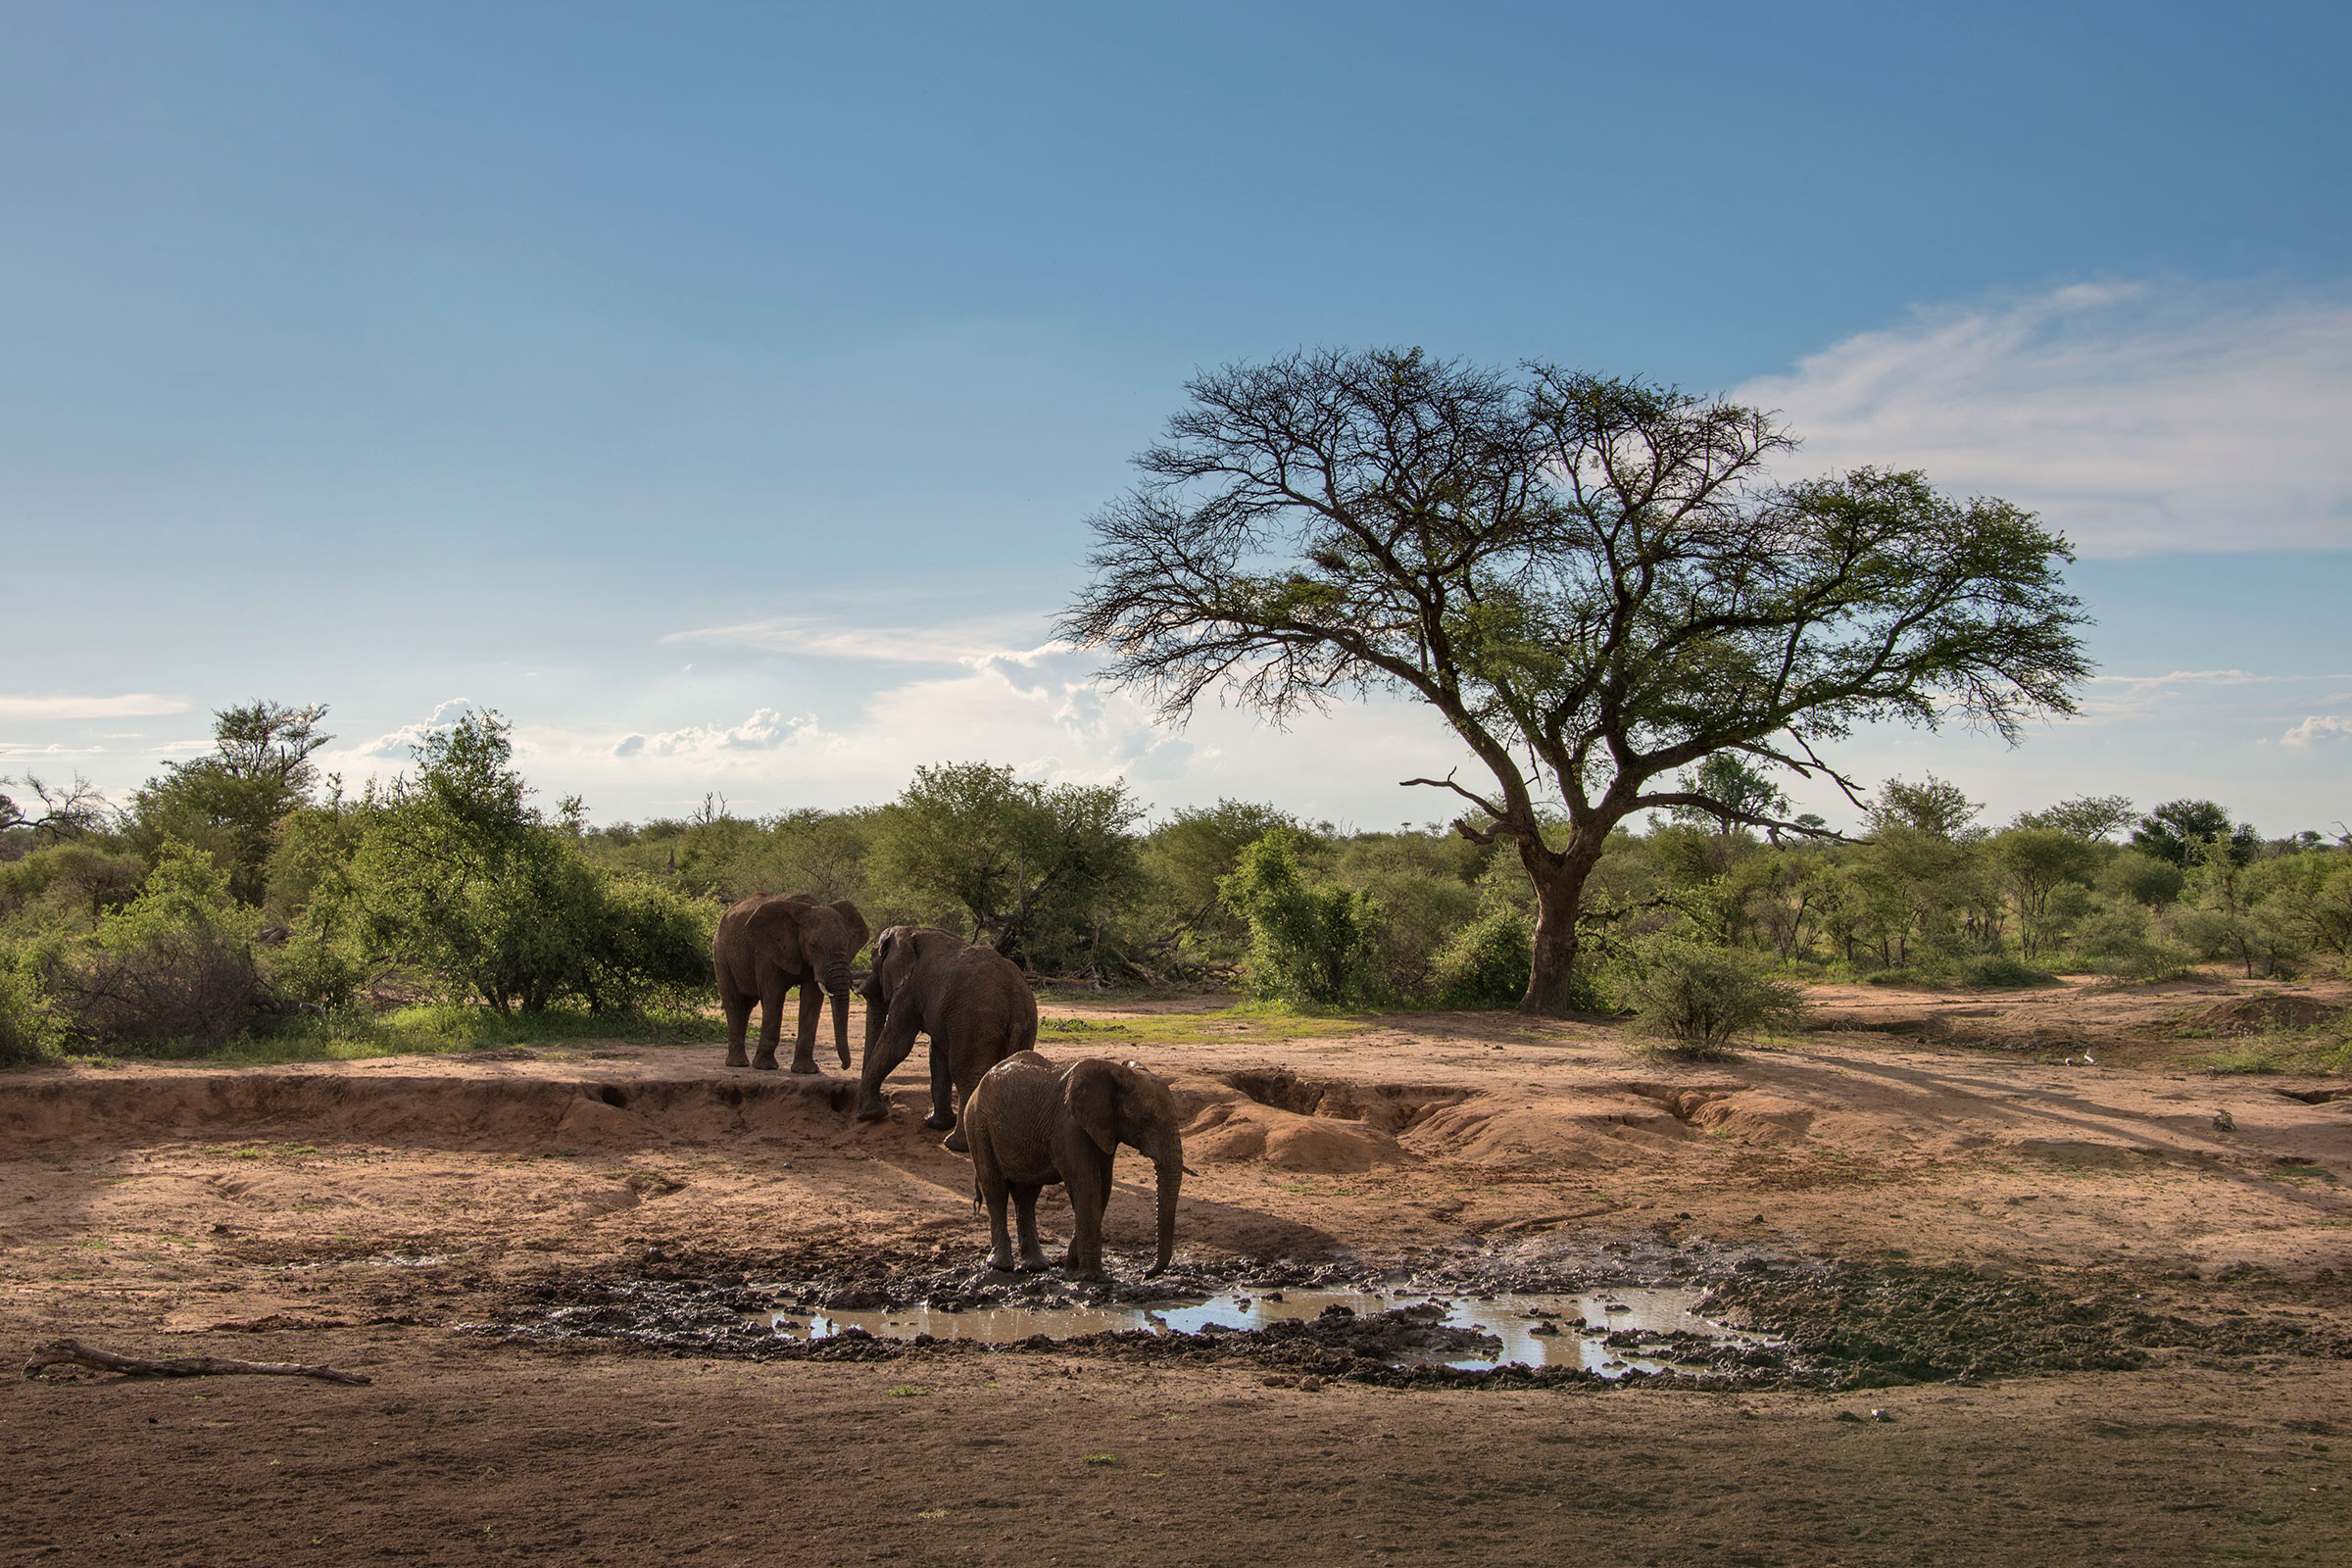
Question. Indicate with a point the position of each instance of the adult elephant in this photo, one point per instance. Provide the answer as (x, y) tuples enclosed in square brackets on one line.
[(766, 944), (970, 999), (1032, 1124)]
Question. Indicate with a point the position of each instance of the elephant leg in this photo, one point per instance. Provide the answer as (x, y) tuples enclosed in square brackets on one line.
[(739, 1022), (1089, 1188), (883, 1053), (1000, 1242), (771, 1027), (812, 1008), (1024, 1204), (943, 1092)]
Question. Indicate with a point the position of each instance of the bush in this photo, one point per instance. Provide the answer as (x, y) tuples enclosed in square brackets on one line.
[(29, 1030), (1701, 997), (174, 964), (648, 946), (1488, 961), (2121, 942), (1307, 944), (1998, 969)]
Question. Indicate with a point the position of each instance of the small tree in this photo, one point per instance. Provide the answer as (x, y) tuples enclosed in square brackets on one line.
[(1740, 793), (1034, 869), (462, 877), (1307, 944), (2173, 831), (231, 800), (1589, 581)]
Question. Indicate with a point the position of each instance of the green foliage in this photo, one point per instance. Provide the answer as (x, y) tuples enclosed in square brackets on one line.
[(1041, 870), (1736, 791), (1701, 997), (230, 802), (1312, 945), (30, 1031), (2174, 830), (2122, 940), (2047, 872), (1998, 970), (2093, 818), (461, 879), (177, 961), (67, 887), (2142, 878), (1487, 963)]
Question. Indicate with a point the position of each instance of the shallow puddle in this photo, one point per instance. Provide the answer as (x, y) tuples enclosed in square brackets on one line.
[(1652, 1329)]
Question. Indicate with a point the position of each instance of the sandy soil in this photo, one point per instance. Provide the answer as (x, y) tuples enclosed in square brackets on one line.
[(353, 1212)]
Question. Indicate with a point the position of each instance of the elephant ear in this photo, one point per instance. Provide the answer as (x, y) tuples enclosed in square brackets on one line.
[(778, 921), (853, 919), (1091, 1090)]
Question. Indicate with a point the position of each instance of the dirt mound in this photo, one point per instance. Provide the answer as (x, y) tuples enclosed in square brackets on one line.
[(2254, 1015), (1311, 1145)]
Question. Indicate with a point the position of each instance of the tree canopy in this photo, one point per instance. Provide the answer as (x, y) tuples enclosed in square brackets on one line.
[(1594, 581)]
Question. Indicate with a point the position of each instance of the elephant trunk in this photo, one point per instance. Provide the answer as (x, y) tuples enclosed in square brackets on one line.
[(1168, 1157), (837, 982)]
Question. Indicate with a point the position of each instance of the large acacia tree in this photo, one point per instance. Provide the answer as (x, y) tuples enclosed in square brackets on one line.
[(1594, 581)]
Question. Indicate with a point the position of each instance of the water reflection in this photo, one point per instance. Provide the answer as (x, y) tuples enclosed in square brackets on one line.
[(1535, 1330)]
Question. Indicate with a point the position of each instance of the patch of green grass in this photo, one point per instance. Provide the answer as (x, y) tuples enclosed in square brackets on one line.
[(910, 1391), (1252, 1021), (1102, 1458), (433, 1028), (2299, 1171), (2301, 1050)]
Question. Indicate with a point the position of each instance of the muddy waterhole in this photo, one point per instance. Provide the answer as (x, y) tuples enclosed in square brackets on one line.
[(1608, 1331)]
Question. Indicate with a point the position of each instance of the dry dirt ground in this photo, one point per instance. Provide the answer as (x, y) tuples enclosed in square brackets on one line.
[(2106, 1307)]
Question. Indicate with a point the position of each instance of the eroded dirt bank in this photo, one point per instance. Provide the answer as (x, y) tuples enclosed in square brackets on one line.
[(2103, 1304)]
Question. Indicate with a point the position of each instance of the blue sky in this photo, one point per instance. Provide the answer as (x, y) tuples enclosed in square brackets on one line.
[(720, 391)]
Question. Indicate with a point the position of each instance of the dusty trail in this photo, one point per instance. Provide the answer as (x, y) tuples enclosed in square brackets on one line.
[(353, 1212)]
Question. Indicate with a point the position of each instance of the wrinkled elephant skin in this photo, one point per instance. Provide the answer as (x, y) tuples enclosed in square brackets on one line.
[(766, 944), (1032, 1125), (970, 999)]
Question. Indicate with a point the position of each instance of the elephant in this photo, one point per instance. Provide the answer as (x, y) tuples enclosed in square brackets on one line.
[(769, 942), (1031, 1124), (970, 998)]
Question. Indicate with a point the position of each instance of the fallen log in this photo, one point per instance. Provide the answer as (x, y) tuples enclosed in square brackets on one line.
[(72, 1352)]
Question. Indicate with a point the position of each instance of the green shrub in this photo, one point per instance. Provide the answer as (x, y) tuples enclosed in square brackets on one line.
[(176, 963), (1701, 997), (29, 1030), (1307, 944), (2121, 941), (1999, 969), (1488, 961)]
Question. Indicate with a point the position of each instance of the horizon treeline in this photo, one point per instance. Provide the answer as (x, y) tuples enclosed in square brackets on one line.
[(241, 888)]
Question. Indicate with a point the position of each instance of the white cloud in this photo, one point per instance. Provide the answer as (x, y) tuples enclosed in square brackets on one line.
[(133, 705), (2133, 418), (765, 731), (2322, 727), (399, 743)]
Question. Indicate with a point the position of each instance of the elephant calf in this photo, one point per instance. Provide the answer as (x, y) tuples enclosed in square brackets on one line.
[(970, 999), (1031, 1124)]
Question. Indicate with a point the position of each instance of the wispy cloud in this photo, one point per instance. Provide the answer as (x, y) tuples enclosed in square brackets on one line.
[(951, 643), (2135, 418), (132, 705)]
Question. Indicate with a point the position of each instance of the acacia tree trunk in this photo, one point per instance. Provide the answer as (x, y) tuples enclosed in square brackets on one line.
[(1560, 879)]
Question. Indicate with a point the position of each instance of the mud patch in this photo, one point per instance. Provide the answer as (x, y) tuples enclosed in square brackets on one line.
[(1700, 1318)]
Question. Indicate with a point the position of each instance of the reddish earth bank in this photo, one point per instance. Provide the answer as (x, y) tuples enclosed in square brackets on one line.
[(2101, 1306)]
